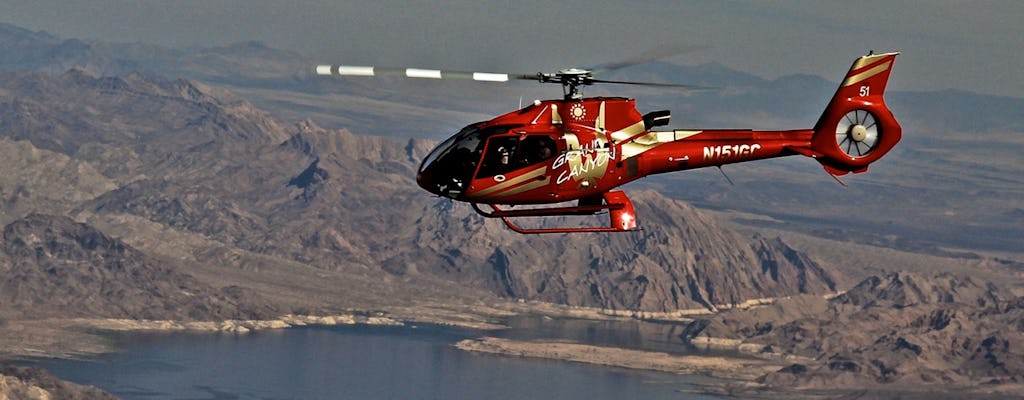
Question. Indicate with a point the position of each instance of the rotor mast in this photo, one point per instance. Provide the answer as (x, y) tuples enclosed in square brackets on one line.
[(572, 79)]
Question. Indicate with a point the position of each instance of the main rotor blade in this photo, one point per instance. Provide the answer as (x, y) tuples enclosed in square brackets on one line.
[(572, 77), (353, 70), (655, 84), (657, 53)]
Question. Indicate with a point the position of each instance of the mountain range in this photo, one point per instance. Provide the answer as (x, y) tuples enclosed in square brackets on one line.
[(954, 141)]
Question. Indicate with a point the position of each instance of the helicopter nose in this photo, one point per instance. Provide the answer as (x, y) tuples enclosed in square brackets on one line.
[(434, 179), (431, 179), (426, 179)]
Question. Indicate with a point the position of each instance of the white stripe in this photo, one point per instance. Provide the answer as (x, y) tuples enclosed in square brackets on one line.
[(323, 69), (423, 73), (354, 70), (488, 77)]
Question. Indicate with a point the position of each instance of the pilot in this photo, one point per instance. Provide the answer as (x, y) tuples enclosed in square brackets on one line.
[(504, 155)]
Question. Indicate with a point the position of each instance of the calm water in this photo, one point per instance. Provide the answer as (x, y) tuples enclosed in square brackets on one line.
[(351, 363)]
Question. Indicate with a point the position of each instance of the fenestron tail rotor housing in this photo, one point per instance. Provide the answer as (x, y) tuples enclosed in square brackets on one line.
[(857, 133)]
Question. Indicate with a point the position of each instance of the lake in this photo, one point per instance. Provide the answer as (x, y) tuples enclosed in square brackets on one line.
[(359, 362)]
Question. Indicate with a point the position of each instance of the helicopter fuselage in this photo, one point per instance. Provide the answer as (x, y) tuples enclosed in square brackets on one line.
[(562, 150)]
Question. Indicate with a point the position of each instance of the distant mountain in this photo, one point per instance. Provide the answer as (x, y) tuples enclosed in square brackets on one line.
[(956, 112), (40, 51)]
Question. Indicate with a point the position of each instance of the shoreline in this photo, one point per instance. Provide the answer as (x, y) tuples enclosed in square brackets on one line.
[(77, 338), (742, 370), (231, 326)]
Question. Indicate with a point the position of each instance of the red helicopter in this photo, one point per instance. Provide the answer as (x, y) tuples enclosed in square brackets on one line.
[(580, 149)]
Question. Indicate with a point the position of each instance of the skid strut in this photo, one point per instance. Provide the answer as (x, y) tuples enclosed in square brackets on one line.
[(620, 210)]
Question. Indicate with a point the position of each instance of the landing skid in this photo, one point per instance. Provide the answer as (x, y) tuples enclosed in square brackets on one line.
[(620, 210)]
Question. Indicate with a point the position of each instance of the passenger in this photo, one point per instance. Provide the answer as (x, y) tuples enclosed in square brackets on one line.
[(545, 152)]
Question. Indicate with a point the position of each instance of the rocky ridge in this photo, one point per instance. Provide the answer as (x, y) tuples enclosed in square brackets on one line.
[(902, 329), (36, 383), (54, 267), (681, 260)]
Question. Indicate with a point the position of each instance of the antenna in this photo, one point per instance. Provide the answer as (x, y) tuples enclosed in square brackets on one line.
[(840, 181), (726, 176)]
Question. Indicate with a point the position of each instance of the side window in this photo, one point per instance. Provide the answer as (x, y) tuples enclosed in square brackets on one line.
[(498, 156), (534, 149), (508, 153)]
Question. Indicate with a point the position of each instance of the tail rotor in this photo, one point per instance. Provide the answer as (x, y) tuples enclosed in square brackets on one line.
[(857, 133)]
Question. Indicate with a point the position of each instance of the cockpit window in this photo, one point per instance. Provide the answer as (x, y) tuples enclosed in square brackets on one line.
[(535, 148), (498, 159)]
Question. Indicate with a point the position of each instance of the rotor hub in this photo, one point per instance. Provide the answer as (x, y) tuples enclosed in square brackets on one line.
[(572, 79), (858, 133)]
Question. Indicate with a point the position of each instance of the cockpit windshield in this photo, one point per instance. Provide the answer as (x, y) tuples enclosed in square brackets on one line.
[(466, 141), (448, 169)]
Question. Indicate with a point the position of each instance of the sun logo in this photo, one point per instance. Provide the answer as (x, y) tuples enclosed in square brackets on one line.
[(578, 112)]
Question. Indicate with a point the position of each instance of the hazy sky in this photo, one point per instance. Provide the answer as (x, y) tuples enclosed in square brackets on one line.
[(972, 45)]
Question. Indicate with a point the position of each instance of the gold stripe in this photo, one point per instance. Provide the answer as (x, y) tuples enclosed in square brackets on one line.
[(652, 140), (628, 132), (864, 61), (512, 182), (866, 74), (658, 137), (523, 188), (868, 60)]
